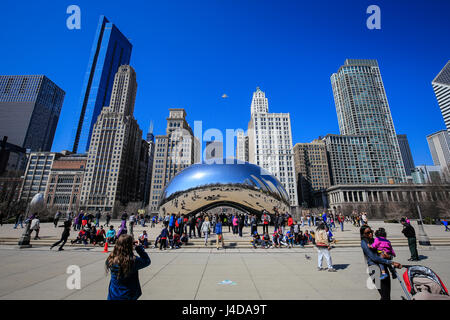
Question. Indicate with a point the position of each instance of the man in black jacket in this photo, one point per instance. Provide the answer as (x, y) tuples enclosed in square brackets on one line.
[(410, 234), (65, 235)]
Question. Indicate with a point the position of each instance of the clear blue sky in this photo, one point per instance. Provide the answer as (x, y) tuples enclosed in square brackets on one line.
[(188, 53)]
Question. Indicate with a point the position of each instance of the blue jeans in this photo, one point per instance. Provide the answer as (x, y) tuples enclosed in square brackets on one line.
[(342, 226), (15, 226)]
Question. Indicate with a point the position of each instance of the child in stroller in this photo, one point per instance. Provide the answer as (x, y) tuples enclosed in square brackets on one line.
[(423, 284)]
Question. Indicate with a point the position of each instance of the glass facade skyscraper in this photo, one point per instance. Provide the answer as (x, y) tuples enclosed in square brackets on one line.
[(30, 106), (363, 110), (110, 50)]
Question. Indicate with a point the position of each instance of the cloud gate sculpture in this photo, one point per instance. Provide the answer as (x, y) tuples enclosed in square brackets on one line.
[(226, 182)]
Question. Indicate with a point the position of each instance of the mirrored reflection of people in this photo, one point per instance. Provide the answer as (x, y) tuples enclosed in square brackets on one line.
[(373, 258), (124, 267)]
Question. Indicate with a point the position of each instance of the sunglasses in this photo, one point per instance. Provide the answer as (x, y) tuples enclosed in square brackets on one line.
[(368, 232)]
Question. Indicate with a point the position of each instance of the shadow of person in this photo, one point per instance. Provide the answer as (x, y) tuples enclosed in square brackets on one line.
[(341, 266)]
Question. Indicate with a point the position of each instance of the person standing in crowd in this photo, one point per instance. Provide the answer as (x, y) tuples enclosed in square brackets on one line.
[(56, 218), (291, 224), (323, 247), (253, 224), (163, 238), (97, 218), (410, 234), (364, 219), (64, 236), (131, 222), (235, 224), (324, 218), (206, 229), (191, 226), (241, 224), (219, 234), (341, 220), (199, 225), (124, 266), (281, 222), (122, 229), (35, 225), (19, 220), (372, 258), (266, 221), (108, 219), (308, 218), (275, 222)]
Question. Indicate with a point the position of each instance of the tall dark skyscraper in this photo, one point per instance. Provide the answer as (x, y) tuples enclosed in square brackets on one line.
[(29, 110), (110, 50), (405, 151)]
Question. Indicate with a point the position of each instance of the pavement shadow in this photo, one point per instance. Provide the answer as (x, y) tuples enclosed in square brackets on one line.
[(421, 257), (341, 266)]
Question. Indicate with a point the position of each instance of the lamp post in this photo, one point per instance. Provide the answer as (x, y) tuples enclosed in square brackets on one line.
[(36, 205), (423, 238)]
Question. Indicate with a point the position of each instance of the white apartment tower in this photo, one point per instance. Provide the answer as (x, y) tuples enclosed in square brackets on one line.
[(441, 87), (439, 144), (112, 170), (270, 143), (241, 146)]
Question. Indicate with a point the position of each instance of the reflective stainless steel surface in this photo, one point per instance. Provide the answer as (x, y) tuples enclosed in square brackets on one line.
[(230, 182)]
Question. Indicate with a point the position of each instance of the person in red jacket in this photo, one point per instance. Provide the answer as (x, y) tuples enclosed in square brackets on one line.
[(291, 224), (266, 220)]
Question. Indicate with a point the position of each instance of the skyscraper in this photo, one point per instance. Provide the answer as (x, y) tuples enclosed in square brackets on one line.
[(405, 151), (441, 87), (29, 111), (363, 110), (270, 143), (174, 151), (112, 171), (151, 155), (110, 50), (241, 146), (311, 169), (349, 159), (439, 144)]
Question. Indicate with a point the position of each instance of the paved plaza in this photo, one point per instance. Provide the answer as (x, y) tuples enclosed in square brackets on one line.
[(199, 273)]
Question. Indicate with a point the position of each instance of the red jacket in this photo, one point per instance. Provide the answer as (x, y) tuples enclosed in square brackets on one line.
[(290, 221)]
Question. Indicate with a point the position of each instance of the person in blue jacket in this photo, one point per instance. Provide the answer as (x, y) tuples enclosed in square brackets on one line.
[(124, 266), (172, 222), (219, 234)]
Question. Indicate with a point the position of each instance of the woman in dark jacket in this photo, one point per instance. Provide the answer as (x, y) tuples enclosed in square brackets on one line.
[(373, 259), (124, 266)]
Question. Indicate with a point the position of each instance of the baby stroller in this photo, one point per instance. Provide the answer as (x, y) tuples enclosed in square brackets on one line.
[(423, 284)]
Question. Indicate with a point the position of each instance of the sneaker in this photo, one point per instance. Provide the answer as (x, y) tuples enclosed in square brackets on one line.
[(51, 247), (383, 276), (331, 270), (320, 269), (60, 249)]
